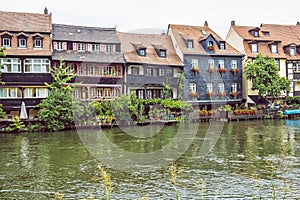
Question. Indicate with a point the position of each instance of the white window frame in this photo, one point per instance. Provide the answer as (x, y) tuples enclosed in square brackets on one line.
[(233, 87), (36, 93), (254, 48), (221, 87), (81, 47), (256, 34), (22, 42), (142, 52), (222, 45), (34, 64), (209, 87), (10, 93), (59, 46), (162, 53), (6, 41), (274, 49), (234, 64), (211, 63), (297, 67), (109, 48), (37, 42), (190, 44), (193, 87), (95, 47), (195, 63), (11, 65), (293, 51), (161, 72), (221, 64)]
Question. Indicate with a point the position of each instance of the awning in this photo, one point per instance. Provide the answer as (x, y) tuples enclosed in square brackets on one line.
[(258, 100)]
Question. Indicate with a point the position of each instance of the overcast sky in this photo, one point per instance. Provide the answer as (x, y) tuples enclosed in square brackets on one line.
[(130, 15)]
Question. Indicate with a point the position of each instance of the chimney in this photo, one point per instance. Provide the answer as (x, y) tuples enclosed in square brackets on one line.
[(232, 23), (205, 24), (298, 23), (46, 11)]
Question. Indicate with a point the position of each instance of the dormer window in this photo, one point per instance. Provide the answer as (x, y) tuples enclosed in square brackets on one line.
[(81, 47), (162, 53), (6, 41), (254, 48), (222, 45), (37, 42), (274, 48), (256, 34), (190, 44), (210, 45), (22, 42), (142, 52), (267, 33), (293, 51)]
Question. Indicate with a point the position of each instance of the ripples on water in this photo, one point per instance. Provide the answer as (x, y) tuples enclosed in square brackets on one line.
[(35, 165)]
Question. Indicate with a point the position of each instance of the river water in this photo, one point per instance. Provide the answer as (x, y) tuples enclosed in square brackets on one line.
[(244, 160)]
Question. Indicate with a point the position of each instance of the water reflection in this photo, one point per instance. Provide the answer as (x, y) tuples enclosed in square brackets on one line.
[(242, 164)]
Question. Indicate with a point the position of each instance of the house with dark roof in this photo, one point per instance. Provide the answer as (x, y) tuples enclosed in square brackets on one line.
[(27, 39), (151, 64), (94, 54), (212, 67), (253, 40)]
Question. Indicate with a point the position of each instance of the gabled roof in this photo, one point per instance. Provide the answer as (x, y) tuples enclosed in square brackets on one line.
[(64, 32), (25, 22), (195, 33), (130, 42), (245, 33)]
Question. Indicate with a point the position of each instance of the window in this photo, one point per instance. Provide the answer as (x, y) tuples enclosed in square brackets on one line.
[(210, 43), (135, 70), (140, 94), (297, 67), (36, 92), (267, 33), (37, 65), (11, 65), (209, 87), (221, 87), (222, 45), (277, 63), (221, 64), (148, 72), (37, 42), (142, 52), (59, 46), (234, 87), (254, 48), (169, 72), (154, 72), (10, 93), (256, 34), (293, 51), (195, 63), (190, 44), (6, 41), (274, 48), (233, 64), (211, 63), (109, 48), (193, 87), (161, 72), (80, 47), (22, 42), (162, 53), (95, 47)]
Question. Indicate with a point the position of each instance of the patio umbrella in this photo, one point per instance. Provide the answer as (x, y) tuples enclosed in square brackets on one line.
[(23, 112)]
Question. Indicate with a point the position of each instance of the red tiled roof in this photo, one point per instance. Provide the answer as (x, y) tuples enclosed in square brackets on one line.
[(263, 41), (195, 33), (130, 41), (25, 22)]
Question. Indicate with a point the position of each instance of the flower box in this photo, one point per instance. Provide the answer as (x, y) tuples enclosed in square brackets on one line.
[(234, 70), (222, 70), (195, 69), (211, 48), (234, 94), (212, 69), (194, 94), (209, 94), (222, 94)]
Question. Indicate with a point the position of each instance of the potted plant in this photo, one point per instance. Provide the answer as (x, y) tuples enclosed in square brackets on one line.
[(212, 69), (234, 70), (234, 94), (203, 112), (222, 94), (209, 94), (195, 69), (210, 48), (222, 70), (194, 94)]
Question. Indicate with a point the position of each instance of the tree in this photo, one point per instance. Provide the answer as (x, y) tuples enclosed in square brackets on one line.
[(263, 72), (57, 109)]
